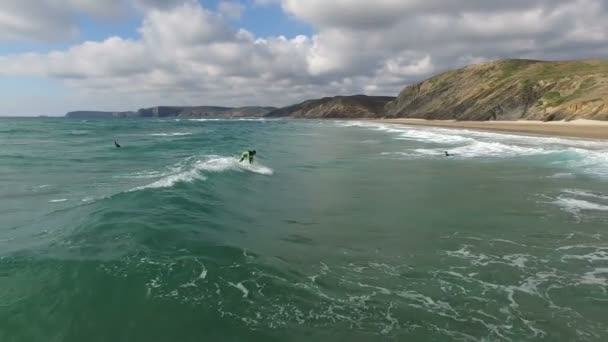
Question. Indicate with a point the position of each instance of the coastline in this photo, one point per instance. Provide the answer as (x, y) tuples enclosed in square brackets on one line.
[(587, 129)]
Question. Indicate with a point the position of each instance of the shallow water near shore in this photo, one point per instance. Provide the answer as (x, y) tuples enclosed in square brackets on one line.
[(342, 229)]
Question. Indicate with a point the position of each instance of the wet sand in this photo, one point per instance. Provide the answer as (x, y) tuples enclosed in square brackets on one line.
[(588, 129)]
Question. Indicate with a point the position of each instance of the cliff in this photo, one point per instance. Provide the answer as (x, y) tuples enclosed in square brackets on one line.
[(357, 106), (499, 90), (510, 90)]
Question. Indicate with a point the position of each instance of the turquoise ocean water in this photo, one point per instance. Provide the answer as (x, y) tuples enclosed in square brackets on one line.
[(339, 230)]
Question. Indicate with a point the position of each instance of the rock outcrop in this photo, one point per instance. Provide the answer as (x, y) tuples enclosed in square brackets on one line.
[(509, 90), (357, 106)]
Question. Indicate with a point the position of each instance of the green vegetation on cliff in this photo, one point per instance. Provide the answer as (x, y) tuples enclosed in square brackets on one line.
[(356, 106), (510, 90)]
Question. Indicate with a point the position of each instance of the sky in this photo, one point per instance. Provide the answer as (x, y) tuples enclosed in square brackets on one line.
[(62, 55)]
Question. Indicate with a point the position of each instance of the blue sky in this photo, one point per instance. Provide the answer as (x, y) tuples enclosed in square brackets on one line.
[(61, 55)]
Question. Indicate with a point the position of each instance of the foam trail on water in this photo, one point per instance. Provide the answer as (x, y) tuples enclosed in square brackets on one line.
[(430, 136), (585, 194), (176, 134), (187, 174), (575, 206), (220, 164), (142, 174), (599, 276), (60, 200), (562, 175), (169, 181), (496, 149)]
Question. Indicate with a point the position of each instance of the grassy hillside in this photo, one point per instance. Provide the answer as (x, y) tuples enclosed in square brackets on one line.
[(510, 90), (357, 106)]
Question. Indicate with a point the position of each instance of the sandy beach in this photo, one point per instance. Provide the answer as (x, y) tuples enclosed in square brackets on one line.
[(588, 129)]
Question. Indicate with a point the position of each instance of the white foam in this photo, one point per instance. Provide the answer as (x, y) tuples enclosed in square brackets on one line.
[(176, 134), (397, 154), (584, 156), (434, 136), (599, 255), (594, 278), (428, 152), (476, 148), (40, 187), (539, 140), (183, 173), (220, 164), (169, 181), (203, 274), (241, 288), (517, 260), (582, 193), (495, 149), (60, 200), (562, 175), (593, 162), (142, 175), (575, 206)]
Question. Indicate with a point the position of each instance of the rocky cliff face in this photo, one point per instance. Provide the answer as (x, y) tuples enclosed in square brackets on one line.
[(510, 90), (501, 90), (358, 106)]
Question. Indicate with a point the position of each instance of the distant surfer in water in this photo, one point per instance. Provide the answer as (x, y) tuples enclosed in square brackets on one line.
[(248, 155), (116, 144), (448, 155)]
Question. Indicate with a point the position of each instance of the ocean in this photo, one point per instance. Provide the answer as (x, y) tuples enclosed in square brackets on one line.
[(339, 230)]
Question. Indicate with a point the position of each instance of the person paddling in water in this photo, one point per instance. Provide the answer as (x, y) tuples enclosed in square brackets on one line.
[(448, 155), (248, 155), (116, 144)]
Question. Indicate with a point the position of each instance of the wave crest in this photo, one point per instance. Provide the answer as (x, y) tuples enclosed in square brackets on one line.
[(193, 172)]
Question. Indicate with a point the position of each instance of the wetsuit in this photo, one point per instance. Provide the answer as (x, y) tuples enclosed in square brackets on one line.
[(247, 155)]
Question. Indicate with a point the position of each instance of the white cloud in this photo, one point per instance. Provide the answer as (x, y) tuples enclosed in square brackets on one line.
[(48, 20), (231, 9), (187, 54)]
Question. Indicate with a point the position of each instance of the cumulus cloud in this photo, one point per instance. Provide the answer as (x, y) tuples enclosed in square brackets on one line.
[(45, 20), (187, 54), (231, 9)]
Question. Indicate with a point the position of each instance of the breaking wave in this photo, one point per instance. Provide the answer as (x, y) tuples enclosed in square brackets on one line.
[(184, 173), (586, 156)]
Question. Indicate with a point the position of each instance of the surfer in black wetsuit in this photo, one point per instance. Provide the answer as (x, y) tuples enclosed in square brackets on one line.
[(448, 155), (116, 144), (248, 155)]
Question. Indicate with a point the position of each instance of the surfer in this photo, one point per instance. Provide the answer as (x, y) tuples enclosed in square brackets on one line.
[(448, 155), (116, 144), (248, 155)]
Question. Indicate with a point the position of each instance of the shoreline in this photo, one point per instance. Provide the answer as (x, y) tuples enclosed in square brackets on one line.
[(587, 129)]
